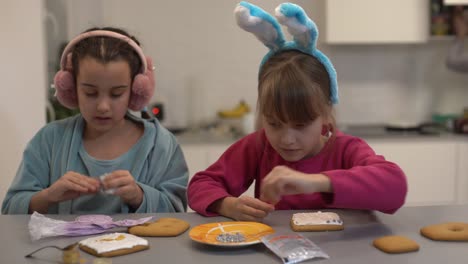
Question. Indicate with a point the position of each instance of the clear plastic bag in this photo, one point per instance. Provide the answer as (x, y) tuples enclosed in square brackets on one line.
[(41, 226), (293, 248)]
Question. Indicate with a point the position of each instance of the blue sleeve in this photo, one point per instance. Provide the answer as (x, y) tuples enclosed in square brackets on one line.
[(171, 193), (165, 183)]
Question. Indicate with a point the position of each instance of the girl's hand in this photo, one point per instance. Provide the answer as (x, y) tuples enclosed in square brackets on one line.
[(70, 186), (285, 181), (124, 185), (244, 208)]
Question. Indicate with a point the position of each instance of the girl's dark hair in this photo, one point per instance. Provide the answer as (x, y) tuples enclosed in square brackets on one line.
[(107, 49), (294, 87)]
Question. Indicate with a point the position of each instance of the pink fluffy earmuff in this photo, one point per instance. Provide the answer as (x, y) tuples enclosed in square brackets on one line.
[(142, 86)]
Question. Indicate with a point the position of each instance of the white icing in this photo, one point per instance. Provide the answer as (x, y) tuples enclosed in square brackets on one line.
[(114, 241), (317, 218)]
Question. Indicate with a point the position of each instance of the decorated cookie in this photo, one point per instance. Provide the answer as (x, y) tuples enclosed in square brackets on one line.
[(115, 244), (316, 221), (451, 231), (395, 244), (163, 227)]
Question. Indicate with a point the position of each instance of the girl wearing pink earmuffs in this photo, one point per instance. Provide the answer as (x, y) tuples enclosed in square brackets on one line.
[(103, 160)]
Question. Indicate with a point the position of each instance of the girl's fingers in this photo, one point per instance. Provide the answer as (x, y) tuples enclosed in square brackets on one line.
[(117, 179), (270, 197), (260, 205), (247, 217), (255, 208), (81, 183), (78, 186), (271, 193)]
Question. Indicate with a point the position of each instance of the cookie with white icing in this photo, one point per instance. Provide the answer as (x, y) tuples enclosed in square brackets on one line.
[(316, 221), (115, 244)]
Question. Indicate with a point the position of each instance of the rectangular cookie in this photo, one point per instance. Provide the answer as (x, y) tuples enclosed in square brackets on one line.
[(316, 221), (111, 245)]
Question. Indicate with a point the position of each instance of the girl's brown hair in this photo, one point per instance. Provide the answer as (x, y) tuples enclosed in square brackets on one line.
[(294, 87), (107, 49)]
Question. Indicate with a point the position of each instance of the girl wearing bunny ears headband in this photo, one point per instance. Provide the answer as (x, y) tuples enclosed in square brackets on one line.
[(294, 164), (312, 67), (105, 44)]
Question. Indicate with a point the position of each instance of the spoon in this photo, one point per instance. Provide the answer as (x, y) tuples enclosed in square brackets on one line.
[(67, 248)]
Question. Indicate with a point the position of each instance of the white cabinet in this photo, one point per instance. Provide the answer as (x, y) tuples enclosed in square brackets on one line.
[(371, 21), (430, 167), (462, 186), (196, 157), (455, 2)]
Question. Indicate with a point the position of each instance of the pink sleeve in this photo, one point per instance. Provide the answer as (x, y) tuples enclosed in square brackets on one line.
[(230, 175), (369, 182)]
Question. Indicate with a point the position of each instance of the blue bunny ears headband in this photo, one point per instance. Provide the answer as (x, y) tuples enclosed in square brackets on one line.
[(267, 29)]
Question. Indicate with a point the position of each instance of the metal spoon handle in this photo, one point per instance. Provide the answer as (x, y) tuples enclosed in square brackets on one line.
[(51, 246)]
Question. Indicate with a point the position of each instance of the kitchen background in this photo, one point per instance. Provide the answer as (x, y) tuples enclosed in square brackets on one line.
[(390, 67), (206, 63)]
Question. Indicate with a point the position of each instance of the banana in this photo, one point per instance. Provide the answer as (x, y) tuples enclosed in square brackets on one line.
[(240, 110)]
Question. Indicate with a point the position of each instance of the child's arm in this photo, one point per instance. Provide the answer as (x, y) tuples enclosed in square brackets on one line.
[(163, 180), (364, 180), (32, 176), (244, 208), (367, 181), (286, 181), (227, 179)]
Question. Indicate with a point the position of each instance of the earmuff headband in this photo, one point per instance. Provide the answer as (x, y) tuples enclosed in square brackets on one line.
[(142, 86), (102, 33)]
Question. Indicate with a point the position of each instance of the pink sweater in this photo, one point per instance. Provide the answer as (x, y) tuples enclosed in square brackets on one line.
[(360, 179)]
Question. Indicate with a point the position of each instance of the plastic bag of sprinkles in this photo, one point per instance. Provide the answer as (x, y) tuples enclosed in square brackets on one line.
[(293, 248)]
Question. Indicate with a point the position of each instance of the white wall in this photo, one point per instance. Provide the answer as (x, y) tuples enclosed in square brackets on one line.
[(22, 75), (81, 15)]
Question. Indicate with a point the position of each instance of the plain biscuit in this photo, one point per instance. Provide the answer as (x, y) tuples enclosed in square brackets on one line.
[(450, 231), (163, 227), (395, 244)]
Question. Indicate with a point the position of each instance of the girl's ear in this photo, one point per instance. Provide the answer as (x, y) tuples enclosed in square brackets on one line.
[(325, 130), (253, 19)]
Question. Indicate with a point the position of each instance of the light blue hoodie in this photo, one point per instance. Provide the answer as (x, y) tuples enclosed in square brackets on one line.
[(156, 161)]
